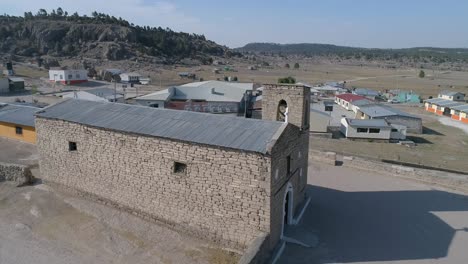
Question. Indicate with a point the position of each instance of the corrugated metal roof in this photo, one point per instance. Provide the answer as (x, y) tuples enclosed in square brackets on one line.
[(362, 102), (211, 91), (436, 100), (462, 108), (216, 130), (368, 123), (445, 102), (366, 92), (375, 110), (450, 93), (19, 115), (350, 97)]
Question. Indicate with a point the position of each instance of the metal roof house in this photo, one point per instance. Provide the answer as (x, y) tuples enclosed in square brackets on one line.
[(346, 100), (217, 130), (392, 115), (223, 178), (209, 96), (368, 93), (17, 122), (453, 96), (460, 113), (97, 95), (373, 129), (441, 106)]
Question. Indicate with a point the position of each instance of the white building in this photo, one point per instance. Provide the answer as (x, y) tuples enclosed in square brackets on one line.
[(68, 76), (130, 77), (453, 96), (377, 129)]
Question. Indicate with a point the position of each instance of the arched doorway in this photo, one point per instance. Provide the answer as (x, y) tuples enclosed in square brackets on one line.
[(282, 111), (287, 208)]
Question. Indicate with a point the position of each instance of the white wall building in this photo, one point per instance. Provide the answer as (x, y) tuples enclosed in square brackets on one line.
[(453, 96), (378, 129), (68, 76), (131, 77)]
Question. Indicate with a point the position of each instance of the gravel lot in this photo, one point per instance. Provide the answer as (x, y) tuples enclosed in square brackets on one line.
[(362, 217)]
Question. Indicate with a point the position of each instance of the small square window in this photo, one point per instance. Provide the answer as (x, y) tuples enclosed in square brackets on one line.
[(70, 76), (19, 130), (72, 146), (180, 168)]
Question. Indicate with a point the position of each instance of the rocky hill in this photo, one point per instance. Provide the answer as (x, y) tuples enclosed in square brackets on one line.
[(100, 37)]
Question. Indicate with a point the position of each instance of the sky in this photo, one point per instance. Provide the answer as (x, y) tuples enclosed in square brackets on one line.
[(357, 23)]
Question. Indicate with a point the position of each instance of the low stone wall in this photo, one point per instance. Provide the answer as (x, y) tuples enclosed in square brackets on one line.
[(19, 174), (458, 182), (454, 181)]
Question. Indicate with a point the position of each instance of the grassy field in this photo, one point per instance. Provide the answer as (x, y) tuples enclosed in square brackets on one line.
[(440, 146), (355, 76)]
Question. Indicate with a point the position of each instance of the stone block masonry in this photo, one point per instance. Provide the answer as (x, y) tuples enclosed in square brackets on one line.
[(19, 174), (223, 195)]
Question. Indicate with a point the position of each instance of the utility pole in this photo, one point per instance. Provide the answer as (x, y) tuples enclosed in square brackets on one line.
[(115, 88)]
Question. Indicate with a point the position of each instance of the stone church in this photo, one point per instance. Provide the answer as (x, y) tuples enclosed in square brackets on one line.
[(224, 178)]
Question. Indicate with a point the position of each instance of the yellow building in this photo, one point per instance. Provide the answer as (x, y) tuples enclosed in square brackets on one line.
[(17, 122)]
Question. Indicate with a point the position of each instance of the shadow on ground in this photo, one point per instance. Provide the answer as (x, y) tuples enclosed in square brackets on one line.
[(419, 140), (376, 226), (430, 131)]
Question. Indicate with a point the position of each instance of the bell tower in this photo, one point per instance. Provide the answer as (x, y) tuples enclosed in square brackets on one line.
[(287, 103)]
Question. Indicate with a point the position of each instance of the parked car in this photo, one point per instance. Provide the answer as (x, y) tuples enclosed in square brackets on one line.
[(393, 101)]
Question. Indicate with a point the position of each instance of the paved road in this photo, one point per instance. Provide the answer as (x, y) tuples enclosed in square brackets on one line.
[(362, 217)]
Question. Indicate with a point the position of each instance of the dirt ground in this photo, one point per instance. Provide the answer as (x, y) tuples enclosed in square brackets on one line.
[(42, 226), (364, 217), (13, 151), (440, 145)]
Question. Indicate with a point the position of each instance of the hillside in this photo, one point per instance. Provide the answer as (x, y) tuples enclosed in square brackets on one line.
[(423, 54), (100, 36)]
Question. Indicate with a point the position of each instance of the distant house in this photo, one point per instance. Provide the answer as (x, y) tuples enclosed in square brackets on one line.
[(460, 113), (131, 77), (375, 129), (68, 76), (17, 122), (208, 96), (441, 106), (11, 85), (329, 90), (453, 96), (187, 75), (346, 100), (403, 96), (391, 115), (97, 95), (368, 93)]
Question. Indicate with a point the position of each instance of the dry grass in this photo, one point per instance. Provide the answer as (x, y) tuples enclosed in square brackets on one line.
[(440, 146)]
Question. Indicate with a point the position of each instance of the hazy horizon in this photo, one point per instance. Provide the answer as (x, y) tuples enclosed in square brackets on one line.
[(361, 23)]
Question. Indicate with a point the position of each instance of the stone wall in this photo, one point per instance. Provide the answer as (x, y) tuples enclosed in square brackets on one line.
[(19, 174), (293, 143), (224, 195)]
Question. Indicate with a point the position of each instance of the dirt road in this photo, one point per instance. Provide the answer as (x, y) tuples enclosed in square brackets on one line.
[(362, 217)]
